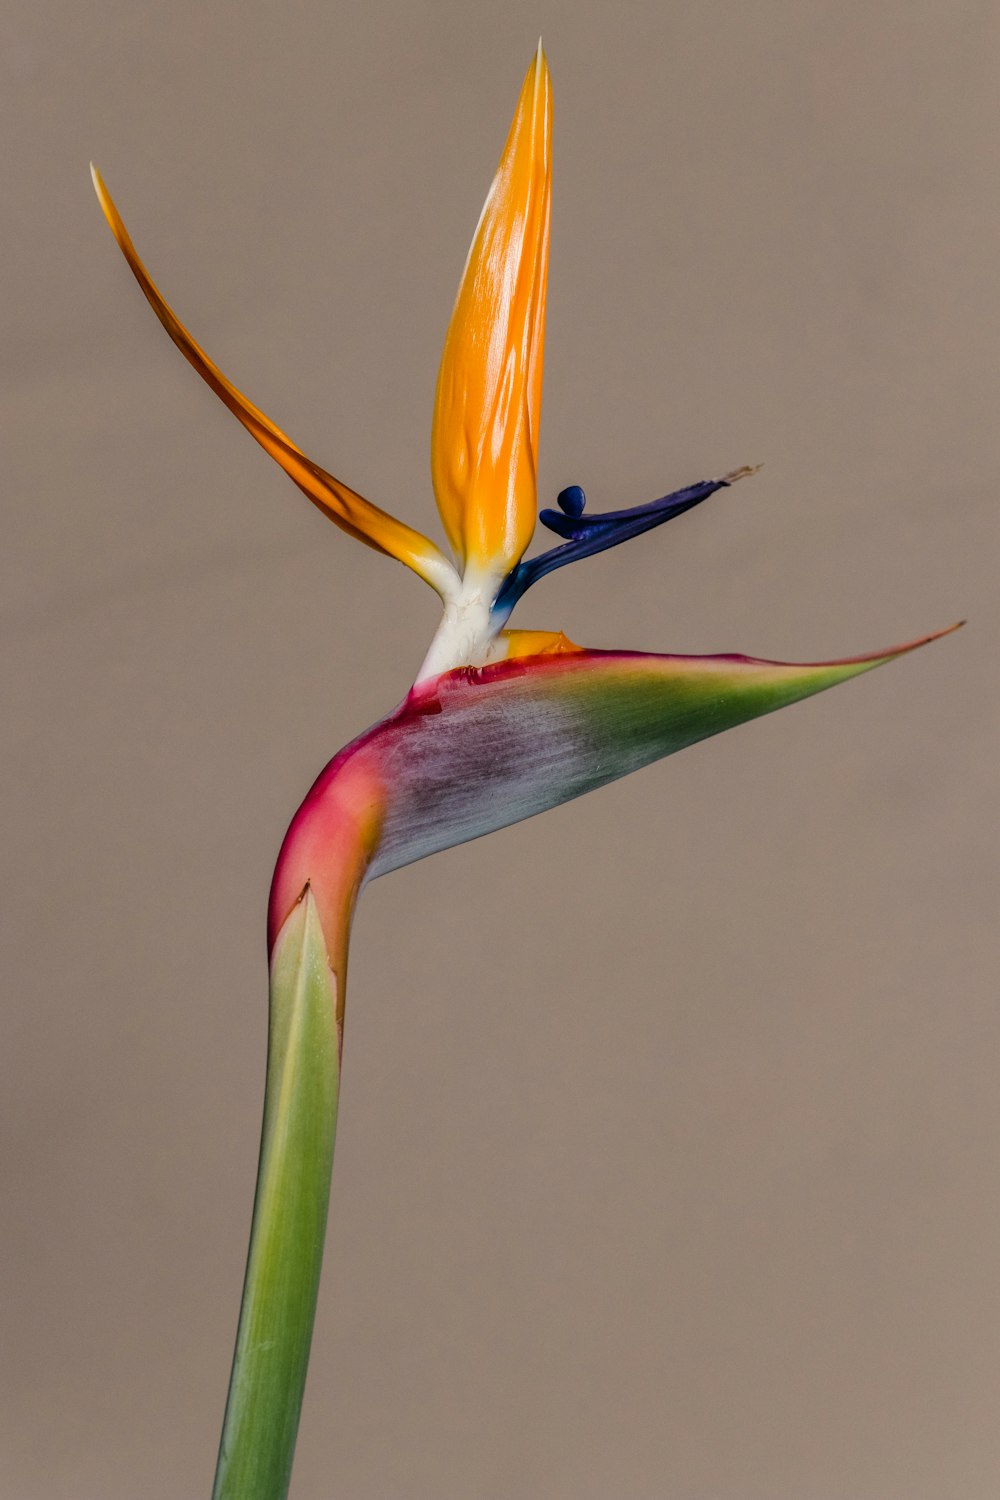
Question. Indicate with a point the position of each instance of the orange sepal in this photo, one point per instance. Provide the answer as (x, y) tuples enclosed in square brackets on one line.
[(484, 438), (355, 515)]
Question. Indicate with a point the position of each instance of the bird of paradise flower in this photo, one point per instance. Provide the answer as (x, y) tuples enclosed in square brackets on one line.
[(499, 725)]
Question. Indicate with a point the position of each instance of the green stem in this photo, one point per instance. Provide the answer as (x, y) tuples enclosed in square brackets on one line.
[(289, 1216)]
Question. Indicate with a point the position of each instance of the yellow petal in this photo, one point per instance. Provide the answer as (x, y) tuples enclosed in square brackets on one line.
[(355, 515), (535, 643), (485, 435)]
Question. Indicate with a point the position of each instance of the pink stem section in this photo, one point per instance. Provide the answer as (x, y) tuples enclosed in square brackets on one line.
[(328, 848)]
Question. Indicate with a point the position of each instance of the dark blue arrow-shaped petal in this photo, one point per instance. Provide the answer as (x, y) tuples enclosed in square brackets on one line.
[(585, 535)]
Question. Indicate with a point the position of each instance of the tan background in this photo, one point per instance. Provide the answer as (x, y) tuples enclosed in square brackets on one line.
[(669, 1161)]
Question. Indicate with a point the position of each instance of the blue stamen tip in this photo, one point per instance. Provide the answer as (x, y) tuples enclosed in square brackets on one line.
[(572, 501)]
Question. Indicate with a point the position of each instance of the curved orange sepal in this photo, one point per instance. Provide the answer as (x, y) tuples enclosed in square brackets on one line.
[(355, 515)]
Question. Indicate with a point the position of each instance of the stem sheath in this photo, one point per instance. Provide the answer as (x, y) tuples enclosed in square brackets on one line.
[(289, 1217)]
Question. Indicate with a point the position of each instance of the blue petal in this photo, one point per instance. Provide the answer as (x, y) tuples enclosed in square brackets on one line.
[(586, 535)]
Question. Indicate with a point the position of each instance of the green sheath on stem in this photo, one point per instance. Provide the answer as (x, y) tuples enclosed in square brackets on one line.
[(289, 1217)]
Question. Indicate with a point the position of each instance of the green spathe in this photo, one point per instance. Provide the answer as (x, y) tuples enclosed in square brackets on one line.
[(474, 751)]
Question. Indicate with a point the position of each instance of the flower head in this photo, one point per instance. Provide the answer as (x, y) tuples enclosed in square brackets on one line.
[(500, 723)]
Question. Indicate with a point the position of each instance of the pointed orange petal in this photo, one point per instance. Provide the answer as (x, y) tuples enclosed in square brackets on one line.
[(355, 515), (485, 435)]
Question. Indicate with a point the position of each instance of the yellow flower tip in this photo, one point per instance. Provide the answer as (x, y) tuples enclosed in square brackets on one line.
[(114, 218), (104, 199), (484, 438)]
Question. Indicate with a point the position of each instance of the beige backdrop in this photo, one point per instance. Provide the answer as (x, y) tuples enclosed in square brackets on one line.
[(668, 1162)]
